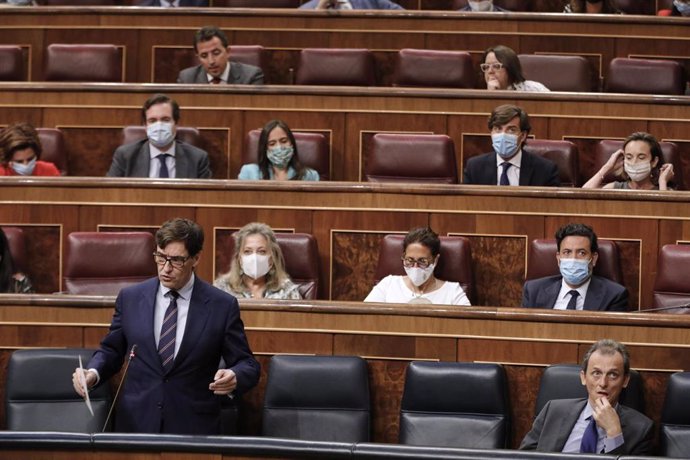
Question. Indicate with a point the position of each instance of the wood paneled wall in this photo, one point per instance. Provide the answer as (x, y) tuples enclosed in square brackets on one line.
[(348, 220), (389, 338)]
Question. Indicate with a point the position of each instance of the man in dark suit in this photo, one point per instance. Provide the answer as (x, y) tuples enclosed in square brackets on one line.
[(576, 288), (182, 327), (598, 424), (509, 164), (213, 51), (160, 155)]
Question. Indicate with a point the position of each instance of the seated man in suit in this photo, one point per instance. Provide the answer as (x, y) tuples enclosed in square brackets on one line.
[(482, 5), (160, 155), (351, 5), (509, 164), (175, 329), (213, 51), (598, 424), (576, 288)]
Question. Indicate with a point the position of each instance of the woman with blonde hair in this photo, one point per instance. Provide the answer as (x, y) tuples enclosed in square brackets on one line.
[(257, 267)]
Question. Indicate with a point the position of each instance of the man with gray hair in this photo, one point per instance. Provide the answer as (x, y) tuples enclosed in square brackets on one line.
[(598, 424)]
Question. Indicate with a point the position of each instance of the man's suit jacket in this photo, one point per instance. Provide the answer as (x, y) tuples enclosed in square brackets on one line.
[(602, 294), (240, 74), (179, 401), (534, 170), (360, 5), (183, 3), (133, 160), (556, 420)]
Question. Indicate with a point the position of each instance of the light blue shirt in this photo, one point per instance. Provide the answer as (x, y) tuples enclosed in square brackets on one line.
[(251, 171), (604, 443)]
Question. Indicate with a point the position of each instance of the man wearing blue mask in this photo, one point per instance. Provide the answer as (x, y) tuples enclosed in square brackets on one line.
[(575, 288), (160, 155), (509, 163)]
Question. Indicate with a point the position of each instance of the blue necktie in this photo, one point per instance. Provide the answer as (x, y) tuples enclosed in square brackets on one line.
[(504, 174), (163, 172), (572, 304), (166, 343), (590, 437)]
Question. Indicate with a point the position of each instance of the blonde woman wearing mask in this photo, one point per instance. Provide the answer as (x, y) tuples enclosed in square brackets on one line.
[(257, 268), (639, 163)]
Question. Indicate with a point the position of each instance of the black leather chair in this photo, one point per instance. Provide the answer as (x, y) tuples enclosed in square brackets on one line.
[(39, 394), (455, 405), (674, 437), (562, 381), (317, 398)]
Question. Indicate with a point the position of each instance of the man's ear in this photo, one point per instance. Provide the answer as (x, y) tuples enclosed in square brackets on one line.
[(595, 258), (583, 381)]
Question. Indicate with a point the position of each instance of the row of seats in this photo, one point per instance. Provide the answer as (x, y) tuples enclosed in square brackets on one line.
[(129, 256), (327, 398), (355, 67), (392, 157)]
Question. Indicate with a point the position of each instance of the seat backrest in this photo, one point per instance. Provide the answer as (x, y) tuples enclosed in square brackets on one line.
[(669, 151), (11, 63), (248, 54), (636, 7), (336, 66), (420, 158), (455, 405), (562, 381), (17, 243), (542, 260), (40, 397), (563, 153), (83, 62), (559, 73), (185, 134), (455, 263), (301, 254), (54, 151), (317, 398), (674, 437), (102, 263), (645, 76), (433, 68), (671, 286), (312, 148)]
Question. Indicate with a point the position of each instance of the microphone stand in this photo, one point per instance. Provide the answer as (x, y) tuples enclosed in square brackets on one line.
[(132, 354)]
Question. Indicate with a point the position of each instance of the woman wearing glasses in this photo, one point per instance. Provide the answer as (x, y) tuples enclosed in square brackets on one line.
[(257, 268), (421, 252), (502, 71)]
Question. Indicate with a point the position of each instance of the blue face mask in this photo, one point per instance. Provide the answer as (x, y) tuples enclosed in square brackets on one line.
[(683, 8), (505, 145), (575, 271), (280, 156), (24, 169)]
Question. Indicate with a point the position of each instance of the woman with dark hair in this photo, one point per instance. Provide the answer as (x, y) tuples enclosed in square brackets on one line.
[(20, 149), (591, 7), (11, 282), (640, 164), (502, 70), (421, 252), (278, 158)]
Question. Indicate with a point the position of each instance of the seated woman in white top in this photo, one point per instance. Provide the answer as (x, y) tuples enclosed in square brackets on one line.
[(421, 253), (278, 157), (257, 268), (502, 71)]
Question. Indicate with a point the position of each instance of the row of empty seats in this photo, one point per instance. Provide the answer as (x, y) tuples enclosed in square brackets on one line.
[(417, 158), (327, 398), (356, 67), (129, 256)]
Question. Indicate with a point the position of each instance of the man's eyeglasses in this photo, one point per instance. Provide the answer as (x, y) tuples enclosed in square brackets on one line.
[(495, 66), (409, 262), (176, 261)]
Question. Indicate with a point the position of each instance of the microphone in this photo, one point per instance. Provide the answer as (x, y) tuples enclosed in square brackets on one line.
[(672, 307), (132, 354)]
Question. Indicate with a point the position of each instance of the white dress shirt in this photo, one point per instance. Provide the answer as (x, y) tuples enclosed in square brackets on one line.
[(155, 163), (513, 171), (564, 297)]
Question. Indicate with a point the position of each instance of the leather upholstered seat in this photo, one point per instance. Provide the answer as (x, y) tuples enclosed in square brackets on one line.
[(83, 63), (11, 63), (336, 66), (54, 150), (674, 436), (563, 153), (645, 76), (557, 72), (671, 287), (433, 68)]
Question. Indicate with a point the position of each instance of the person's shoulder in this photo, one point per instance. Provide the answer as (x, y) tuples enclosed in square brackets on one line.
[(188, 75), (191, 149), (537, 160), (484, 157), (543, 280), (245, 68), (633, 414), (608, 284), (250, 171), (46, 168), (311, 174), (132, 147), (310, 5)]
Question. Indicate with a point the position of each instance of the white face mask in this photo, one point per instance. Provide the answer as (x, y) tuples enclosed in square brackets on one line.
[(255, 265), (638, 172), (24, 169), (481, 5), (419, 276), (160, 134)]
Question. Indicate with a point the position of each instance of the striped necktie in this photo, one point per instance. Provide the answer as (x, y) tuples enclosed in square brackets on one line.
[(166, 343)]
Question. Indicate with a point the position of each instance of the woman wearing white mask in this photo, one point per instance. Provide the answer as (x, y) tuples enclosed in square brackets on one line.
[(20, 149), (639, 163), (421, 252), (278, 158), (257, 268)]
